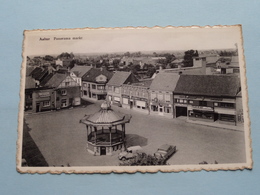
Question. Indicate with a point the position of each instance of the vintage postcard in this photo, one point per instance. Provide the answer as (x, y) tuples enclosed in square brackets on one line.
[(131, 99)]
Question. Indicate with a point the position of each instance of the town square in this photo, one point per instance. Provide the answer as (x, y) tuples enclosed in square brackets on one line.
[(125, 107), (62, 139)]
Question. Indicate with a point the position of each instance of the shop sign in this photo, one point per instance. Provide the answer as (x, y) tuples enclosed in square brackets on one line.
[(178, 104), (202, 108), (44, 94)]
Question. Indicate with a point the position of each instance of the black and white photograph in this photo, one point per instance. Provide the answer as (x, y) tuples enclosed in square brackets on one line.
[(101, 100)]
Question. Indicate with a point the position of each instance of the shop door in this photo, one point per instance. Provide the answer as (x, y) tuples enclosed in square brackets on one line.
[(37, 107), (103, 151), (131, 104), (181, 111)]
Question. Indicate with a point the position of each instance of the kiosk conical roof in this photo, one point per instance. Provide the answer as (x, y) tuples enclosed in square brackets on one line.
[(106, 117)]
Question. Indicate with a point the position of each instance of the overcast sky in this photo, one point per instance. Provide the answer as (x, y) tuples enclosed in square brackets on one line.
[(129, 39)]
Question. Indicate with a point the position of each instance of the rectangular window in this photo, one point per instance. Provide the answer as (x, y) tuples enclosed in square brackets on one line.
[(63, 92), (93, 86), (160, 96), (215, 103), (64, 103), (153, 96), (202, 103), (191, 102), (46, 103), (100, 87), (125, 101), (116, 89), (227, 105), (67, 84), (85, 92), (154, 108), (85, 85), (167, 97)]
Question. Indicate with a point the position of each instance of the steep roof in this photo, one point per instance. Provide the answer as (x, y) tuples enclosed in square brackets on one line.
[(29, 70), (38, 73), (29, 83), (46, 79), (119, 78), (106, 117), (211, 85), (144, 83), (165, 81), (55, 80), (80, 70), (93, 73)]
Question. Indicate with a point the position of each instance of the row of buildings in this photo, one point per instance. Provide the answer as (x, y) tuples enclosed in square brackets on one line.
[(205, 98), (170, 93)]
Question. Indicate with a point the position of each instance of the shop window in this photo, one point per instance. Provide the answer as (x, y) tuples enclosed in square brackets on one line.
[(46, 103), (64, 103), (63, 92), (227, 117), (85, 92), (202, 115), (154, 108), (167, 109)]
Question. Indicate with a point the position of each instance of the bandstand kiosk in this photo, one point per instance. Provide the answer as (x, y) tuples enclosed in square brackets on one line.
[(105, 130)]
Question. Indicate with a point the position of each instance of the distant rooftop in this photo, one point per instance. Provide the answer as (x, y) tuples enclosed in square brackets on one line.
[(119, 78), (80, 70), (93, 73)]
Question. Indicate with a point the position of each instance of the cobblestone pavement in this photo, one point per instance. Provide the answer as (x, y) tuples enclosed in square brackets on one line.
[(62, 139)]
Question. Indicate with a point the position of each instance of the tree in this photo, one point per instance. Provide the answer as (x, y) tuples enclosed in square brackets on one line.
[(48, 58), (150, 71), (135, 68), (188, 57)]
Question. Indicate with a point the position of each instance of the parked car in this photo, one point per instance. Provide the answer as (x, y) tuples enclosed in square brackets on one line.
[(130, 152), (165, 151)]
